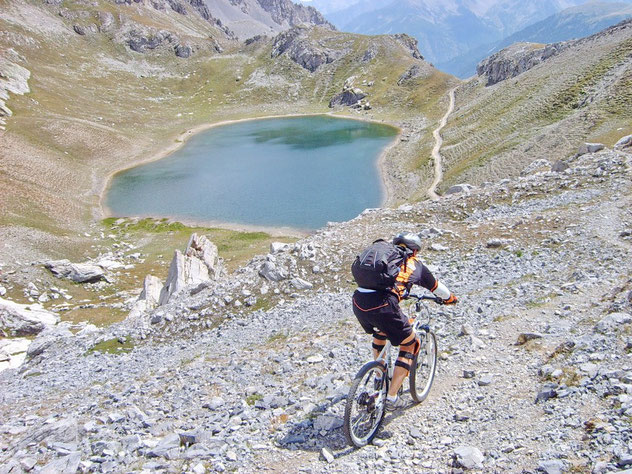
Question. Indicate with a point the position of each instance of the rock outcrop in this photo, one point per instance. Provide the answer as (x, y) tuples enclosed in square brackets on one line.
[(520, 57), (516, 59), (350, 96), (198, 264), (13, 79), (288, 12), (24, 320), (410, 43), (296, 44)]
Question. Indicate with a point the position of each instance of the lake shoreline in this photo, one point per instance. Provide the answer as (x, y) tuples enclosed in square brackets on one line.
[(182, 139)]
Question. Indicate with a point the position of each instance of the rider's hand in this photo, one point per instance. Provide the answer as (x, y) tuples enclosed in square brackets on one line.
[(451, 300)]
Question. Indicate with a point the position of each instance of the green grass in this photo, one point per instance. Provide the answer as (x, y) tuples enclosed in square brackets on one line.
[(252, 399), (112, 346)]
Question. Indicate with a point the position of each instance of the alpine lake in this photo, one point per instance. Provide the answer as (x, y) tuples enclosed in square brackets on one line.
[(297, 172)]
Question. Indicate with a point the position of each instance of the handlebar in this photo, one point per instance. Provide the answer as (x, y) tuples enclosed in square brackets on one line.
[(434, 298)]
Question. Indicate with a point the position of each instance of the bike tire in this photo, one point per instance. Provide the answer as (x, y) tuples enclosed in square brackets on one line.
[(365, 406), (424, 367)]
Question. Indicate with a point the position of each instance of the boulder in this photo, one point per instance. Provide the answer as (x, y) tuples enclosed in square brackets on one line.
[(69, 463), (459, 188), (77, 272), (183, 51), (22, 320), (468, 457), (347, 97), (85, 29), (559, 166), (271, 272), (301, 284), (612, 321), (623, 143), (48, 338), (589, 148)]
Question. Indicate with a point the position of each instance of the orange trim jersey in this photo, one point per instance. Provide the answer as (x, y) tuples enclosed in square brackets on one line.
[(414, 272)]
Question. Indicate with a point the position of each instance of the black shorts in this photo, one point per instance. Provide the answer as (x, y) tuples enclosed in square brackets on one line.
[(381, 310)]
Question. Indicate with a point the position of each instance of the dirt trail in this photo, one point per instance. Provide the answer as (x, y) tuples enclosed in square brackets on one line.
[(436, 156)]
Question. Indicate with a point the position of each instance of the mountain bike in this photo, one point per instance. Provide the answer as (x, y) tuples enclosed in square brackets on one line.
[(366, 401)]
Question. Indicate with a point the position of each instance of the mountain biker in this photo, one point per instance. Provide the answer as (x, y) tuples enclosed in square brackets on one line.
[(379, 314)]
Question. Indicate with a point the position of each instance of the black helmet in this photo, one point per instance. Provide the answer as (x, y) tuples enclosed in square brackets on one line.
[(408, 239)]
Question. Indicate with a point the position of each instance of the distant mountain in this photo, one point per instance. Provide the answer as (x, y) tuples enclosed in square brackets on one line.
[(571, 23), (452, 32)]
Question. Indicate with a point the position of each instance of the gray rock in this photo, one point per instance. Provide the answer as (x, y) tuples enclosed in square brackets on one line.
[(68, 464), (301, 284), (516, 59), (327, 454), (77, 272), (459, 188), (485, 380), (199, 264), (271, 272), (559, 166), (152, 286), (296, 44), (85, 29), (551, 467), (468, 457), (183, 51), (165, 447), (612, 321), (48, 338), (546, 393), (494, 243), (327, 423), (21, 320), (349, 97), (62, 431), (590, 148), (413, 72), (277, 247), (623, 143)]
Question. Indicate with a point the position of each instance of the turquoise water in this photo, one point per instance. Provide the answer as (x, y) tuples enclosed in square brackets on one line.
[(297, 172)]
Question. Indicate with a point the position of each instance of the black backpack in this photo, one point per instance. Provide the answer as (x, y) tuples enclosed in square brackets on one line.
[(377, 267)]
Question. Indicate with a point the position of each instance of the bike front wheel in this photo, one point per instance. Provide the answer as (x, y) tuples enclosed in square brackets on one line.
[(365, 404), (423, 367)]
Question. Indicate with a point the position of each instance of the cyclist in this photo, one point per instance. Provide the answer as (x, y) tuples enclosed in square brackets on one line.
[(379, 313)]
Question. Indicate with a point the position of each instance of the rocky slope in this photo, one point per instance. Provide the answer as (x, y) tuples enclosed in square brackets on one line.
[(578, 94), (533, 374), (520, 57)]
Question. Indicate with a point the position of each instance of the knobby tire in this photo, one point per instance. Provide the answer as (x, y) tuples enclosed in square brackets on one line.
[(424, 367), (365, 406)]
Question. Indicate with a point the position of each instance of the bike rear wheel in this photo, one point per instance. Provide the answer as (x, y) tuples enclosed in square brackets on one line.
[(364, 410), (423, 367)]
